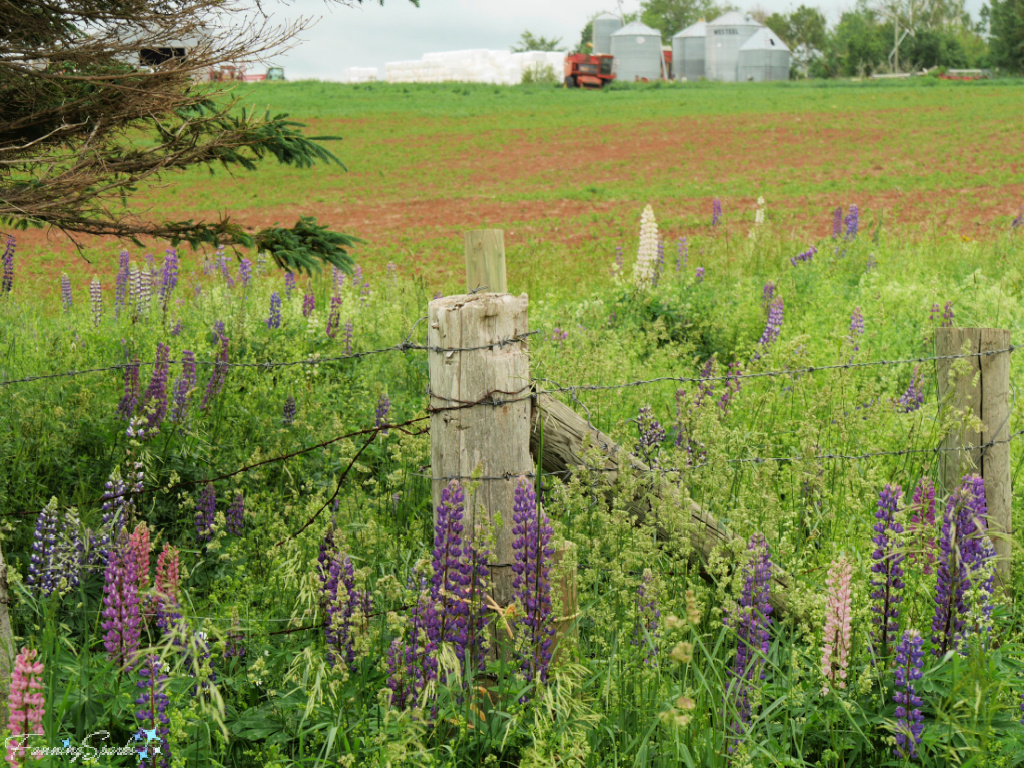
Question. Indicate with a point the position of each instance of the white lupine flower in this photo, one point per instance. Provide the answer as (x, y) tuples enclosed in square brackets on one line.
[(647, 253), (759, 216)]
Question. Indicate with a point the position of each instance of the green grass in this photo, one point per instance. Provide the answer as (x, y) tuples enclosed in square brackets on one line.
[(608, 703)]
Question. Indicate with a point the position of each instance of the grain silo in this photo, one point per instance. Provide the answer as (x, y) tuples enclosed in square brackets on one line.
[(604, 27), (637, 51), (688, 52), (763, 57), (725, 36)]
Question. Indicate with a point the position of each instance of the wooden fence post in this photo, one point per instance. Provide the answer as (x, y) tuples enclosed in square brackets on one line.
[(984, 394), (480, 398)]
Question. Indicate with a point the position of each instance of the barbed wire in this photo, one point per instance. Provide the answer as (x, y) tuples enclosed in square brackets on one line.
[(403, 346)]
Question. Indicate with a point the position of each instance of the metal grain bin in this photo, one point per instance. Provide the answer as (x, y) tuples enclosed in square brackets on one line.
[(763, 57), (637, 51), (605, 26), (725, 36), (688, 52)]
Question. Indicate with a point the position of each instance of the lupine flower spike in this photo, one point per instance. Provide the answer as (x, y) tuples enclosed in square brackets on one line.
[(152, 713), (838, 604), (922, 525), (909, 720), (206, 511), (7, 282), (65, 292), (121, 605), (235, 517), (96, 300), (887, 582), (647, 251), (26, 706), (532, 554)]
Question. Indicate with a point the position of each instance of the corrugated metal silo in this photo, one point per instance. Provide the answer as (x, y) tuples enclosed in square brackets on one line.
[(725, 36), (605, 26), (688, 52), (637, 51), (763, 57)]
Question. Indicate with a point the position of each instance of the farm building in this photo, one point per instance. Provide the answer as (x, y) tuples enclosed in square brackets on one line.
[(763, 57), (725, 36), (637, 51), (688, 52), (605, 26)]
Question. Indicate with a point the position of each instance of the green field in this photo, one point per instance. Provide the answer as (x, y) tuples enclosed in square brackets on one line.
[(800, 457)]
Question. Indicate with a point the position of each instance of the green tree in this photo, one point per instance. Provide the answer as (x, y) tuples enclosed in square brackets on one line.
[(586, 37), (859, 45), (805, 31), (101, 96), (670, 16), (527, 42), (1006, 27)]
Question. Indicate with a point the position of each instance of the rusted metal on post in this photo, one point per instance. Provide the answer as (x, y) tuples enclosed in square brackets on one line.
[(979, 393), (479, 401), (485, 261)]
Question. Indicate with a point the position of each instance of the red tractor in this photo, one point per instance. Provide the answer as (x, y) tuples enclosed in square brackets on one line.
[(585, 70)]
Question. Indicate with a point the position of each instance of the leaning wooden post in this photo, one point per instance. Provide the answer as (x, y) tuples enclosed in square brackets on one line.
[(982, 393), (480, 399)]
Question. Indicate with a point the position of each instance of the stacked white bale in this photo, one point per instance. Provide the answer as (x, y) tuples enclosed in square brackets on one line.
[(360, 75), (471, 66)]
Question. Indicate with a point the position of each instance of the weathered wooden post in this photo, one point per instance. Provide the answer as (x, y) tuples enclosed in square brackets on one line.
[(479, 397), (982, 393)]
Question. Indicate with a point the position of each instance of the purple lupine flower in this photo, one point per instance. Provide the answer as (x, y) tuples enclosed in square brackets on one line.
[(909, 720), (65, 292), (220, 373), (126, 408), (206, 513), (935, 311), (651, 436), (558, 335), (380, 416), (7, 283), (837, 222), (364, 293), (767, 294), (349, 332), (337, 279), (732, 385), (274, 320), (118, 506), (96, 299), (856, 327), (887, 581), (852, 221), (154, 399), (963, 553), (342, 602), (288, 415), (235, 517), (532, 554), (659, 264), (120, 605), (807, 255), (152, 713), (121, 284), (773, 327), (751, 619), (922, 525), (645, 628), (412, 664), (357, 275), (698, 276), (947, 315), (392, 269), (617, 269), (913, 397), (681, 254), (225, 268), (716, 212), (40, 573), (169, 278), (452, 574), (308, 304), (184, 385), (706, 385), (289, 284), (334, 317), (245, 272)]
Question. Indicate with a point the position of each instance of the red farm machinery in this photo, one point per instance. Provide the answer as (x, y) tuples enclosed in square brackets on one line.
[(587, 70)]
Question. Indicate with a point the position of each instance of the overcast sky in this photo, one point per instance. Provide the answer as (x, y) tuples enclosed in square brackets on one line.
[(371, 35)]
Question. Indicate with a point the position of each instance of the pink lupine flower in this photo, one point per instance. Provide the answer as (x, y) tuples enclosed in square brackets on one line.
[(836, 648), (25, 704), (168, 576), (138, 550)]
